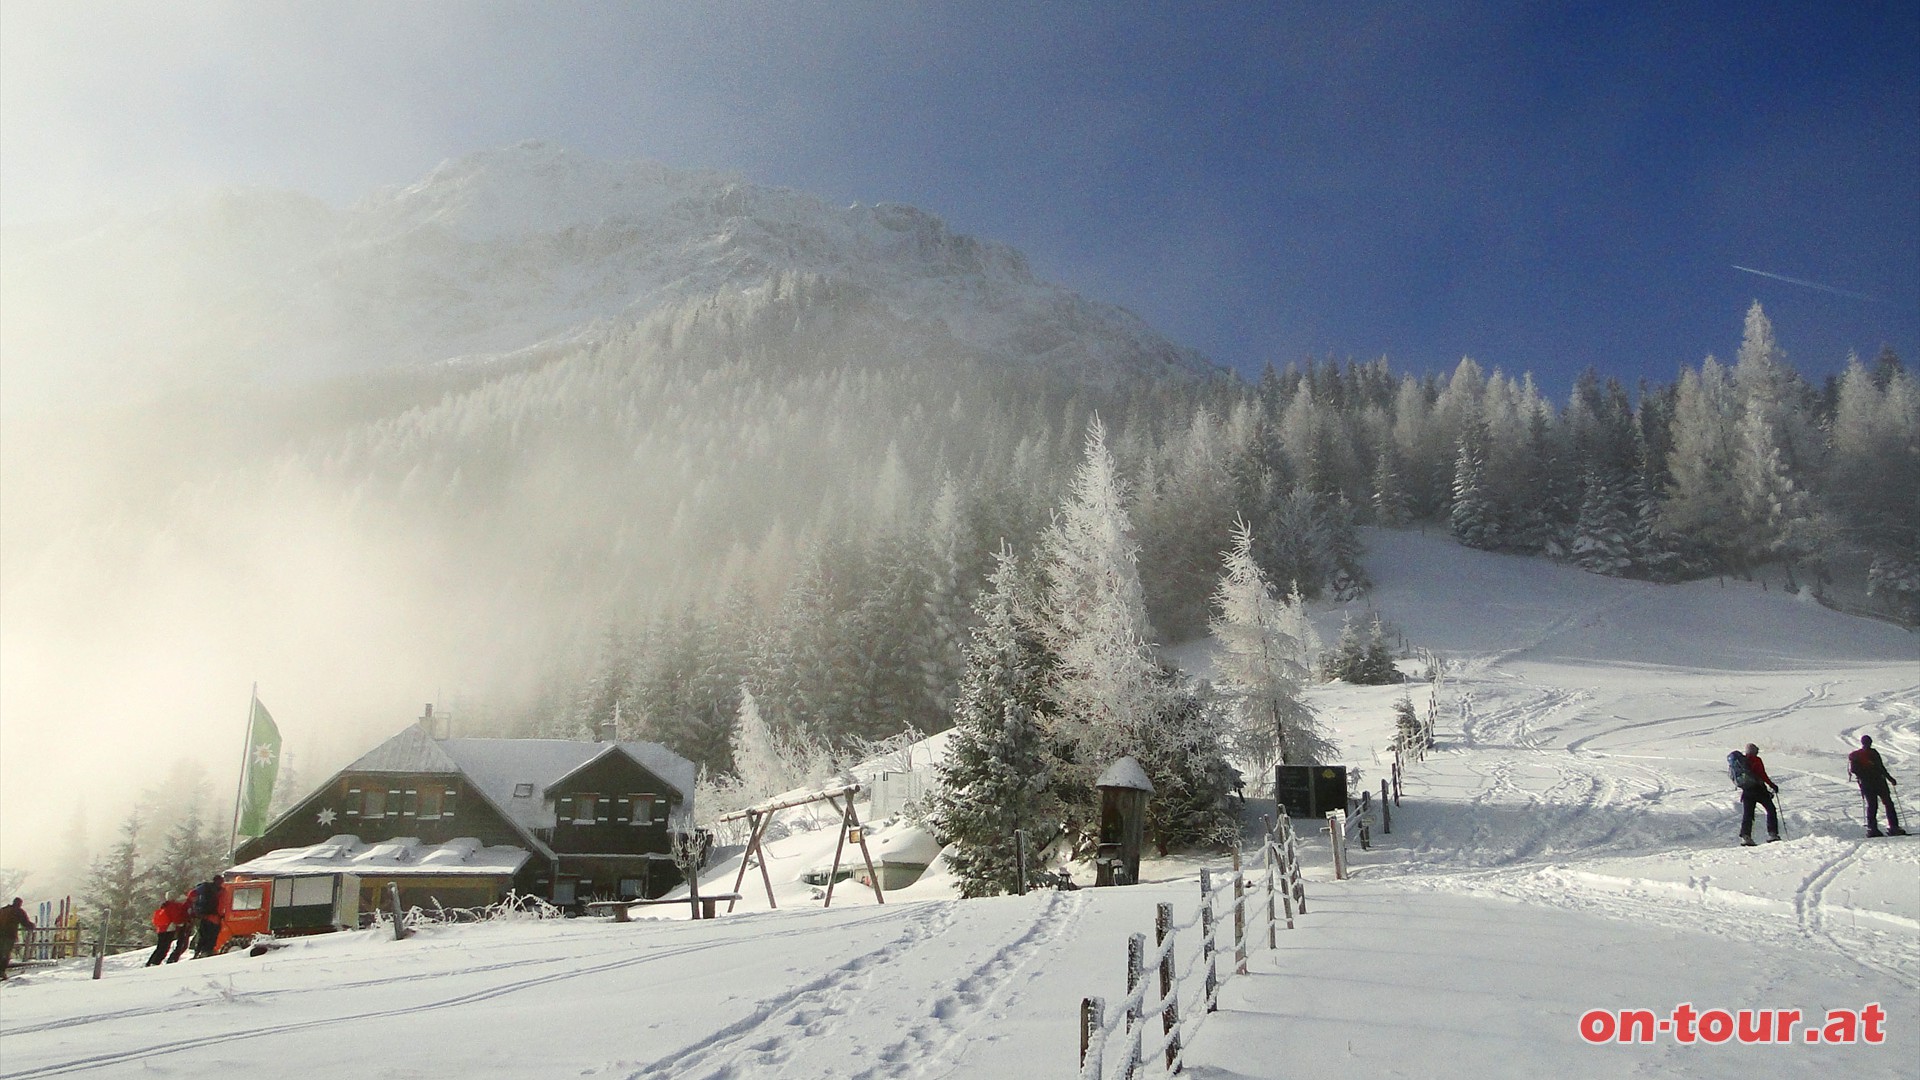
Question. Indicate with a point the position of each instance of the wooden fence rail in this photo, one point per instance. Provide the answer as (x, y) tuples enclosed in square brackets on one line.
[(1186, 957)]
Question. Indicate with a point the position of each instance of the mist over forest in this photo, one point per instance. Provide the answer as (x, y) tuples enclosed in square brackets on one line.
[(557, 445)]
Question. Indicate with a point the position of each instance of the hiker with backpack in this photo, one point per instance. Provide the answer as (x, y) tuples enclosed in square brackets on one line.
[(1876, 786), (1756, 789)]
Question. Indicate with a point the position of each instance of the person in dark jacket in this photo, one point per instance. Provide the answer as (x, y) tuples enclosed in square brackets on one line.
[(1876, 786), (204, 905), (170, 926), (13, 919), (1757, 790)]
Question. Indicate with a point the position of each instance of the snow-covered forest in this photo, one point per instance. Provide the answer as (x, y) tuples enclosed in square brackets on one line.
[(848, 621), (682, 513)]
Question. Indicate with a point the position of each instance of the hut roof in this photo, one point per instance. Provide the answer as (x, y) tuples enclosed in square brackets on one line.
[(1125, 773)]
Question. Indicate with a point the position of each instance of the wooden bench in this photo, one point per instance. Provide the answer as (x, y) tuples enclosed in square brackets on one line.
[(704, 908)]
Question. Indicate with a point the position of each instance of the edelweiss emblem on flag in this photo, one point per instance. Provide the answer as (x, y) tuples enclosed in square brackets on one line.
[(326, 816), (263, 754)]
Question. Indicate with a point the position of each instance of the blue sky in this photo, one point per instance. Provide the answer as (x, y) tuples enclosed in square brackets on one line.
[(1538, 186)]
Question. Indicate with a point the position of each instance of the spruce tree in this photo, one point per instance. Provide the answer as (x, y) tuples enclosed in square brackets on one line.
[(1472, 516), (1377, 667), (1389, 500), (1408, 732), (1002, 771), (120, 888), (1181, 752), (1601, 538)]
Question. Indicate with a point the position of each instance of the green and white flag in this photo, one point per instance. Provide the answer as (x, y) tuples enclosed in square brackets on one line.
[(263, 764)]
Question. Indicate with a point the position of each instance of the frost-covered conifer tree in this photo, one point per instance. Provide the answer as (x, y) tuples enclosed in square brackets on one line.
[(1191, 501), (1768, 385), (758, 758), (1264, 650), (1473, 515), (1364, 660), (1182, 752), (1002, 771), (1770, 505), (119, 887), (1704, 504), (1095, 614), (1389, 498), (1408, 733), (1601, 540), (1378, 668)]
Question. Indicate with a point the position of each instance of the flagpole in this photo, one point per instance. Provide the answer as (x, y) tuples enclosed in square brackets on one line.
[(240, 787)]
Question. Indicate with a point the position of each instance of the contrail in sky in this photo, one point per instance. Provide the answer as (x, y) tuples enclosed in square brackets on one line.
[(1808, 284)]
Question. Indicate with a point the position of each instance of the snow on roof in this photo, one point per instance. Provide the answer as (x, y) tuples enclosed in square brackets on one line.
[(1125, 773), (413, 750), (906, 844), (500, 766), (400, 857)]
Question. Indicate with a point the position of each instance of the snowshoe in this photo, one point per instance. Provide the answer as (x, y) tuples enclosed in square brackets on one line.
[(1747, 841), (1774, 839), (1896, 831), (1872, 833)]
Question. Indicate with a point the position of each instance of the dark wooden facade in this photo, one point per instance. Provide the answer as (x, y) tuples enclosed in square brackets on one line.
[(601, 829)]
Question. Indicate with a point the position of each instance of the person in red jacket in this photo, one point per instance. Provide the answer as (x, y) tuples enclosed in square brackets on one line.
[(170, 926), (1759, 791), (1876, 786)]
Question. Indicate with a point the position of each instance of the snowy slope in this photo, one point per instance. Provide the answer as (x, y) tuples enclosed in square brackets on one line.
[(1567, 847), (502, 251)]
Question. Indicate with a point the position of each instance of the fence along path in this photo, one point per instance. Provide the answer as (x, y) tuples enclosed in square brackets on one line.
[(1178, 979)]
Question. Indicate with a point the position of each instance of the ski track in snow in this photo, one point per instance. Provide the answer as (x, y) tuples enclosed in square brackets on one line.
[(932, 1046), (1518, 803), (567, 971), (937, 1026)]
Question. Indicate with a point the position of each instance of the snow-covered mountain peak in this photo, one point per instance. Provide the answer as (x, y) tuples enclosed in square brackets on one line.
[(530, 188), (503, 250)]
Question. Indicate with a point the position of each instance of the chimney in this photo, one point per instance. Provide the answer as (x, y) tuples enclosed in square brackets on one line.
[(426, 722)]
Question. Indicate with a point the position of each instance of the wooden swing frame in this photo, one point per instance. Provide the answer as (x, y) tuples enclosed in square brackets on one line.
[(759, 817)]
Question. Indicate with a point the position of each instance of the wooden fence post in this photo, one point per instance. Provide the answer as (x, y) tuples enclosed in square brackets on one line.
[(1206, 935), (1020, 861), (1239, 916), (1337, 834), (1386, 810), (1169, 989), (1136, 960), (1092, 1016), (393, 907), (1293, 875), (1136, 965), (1273, 939), (100, 950)]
